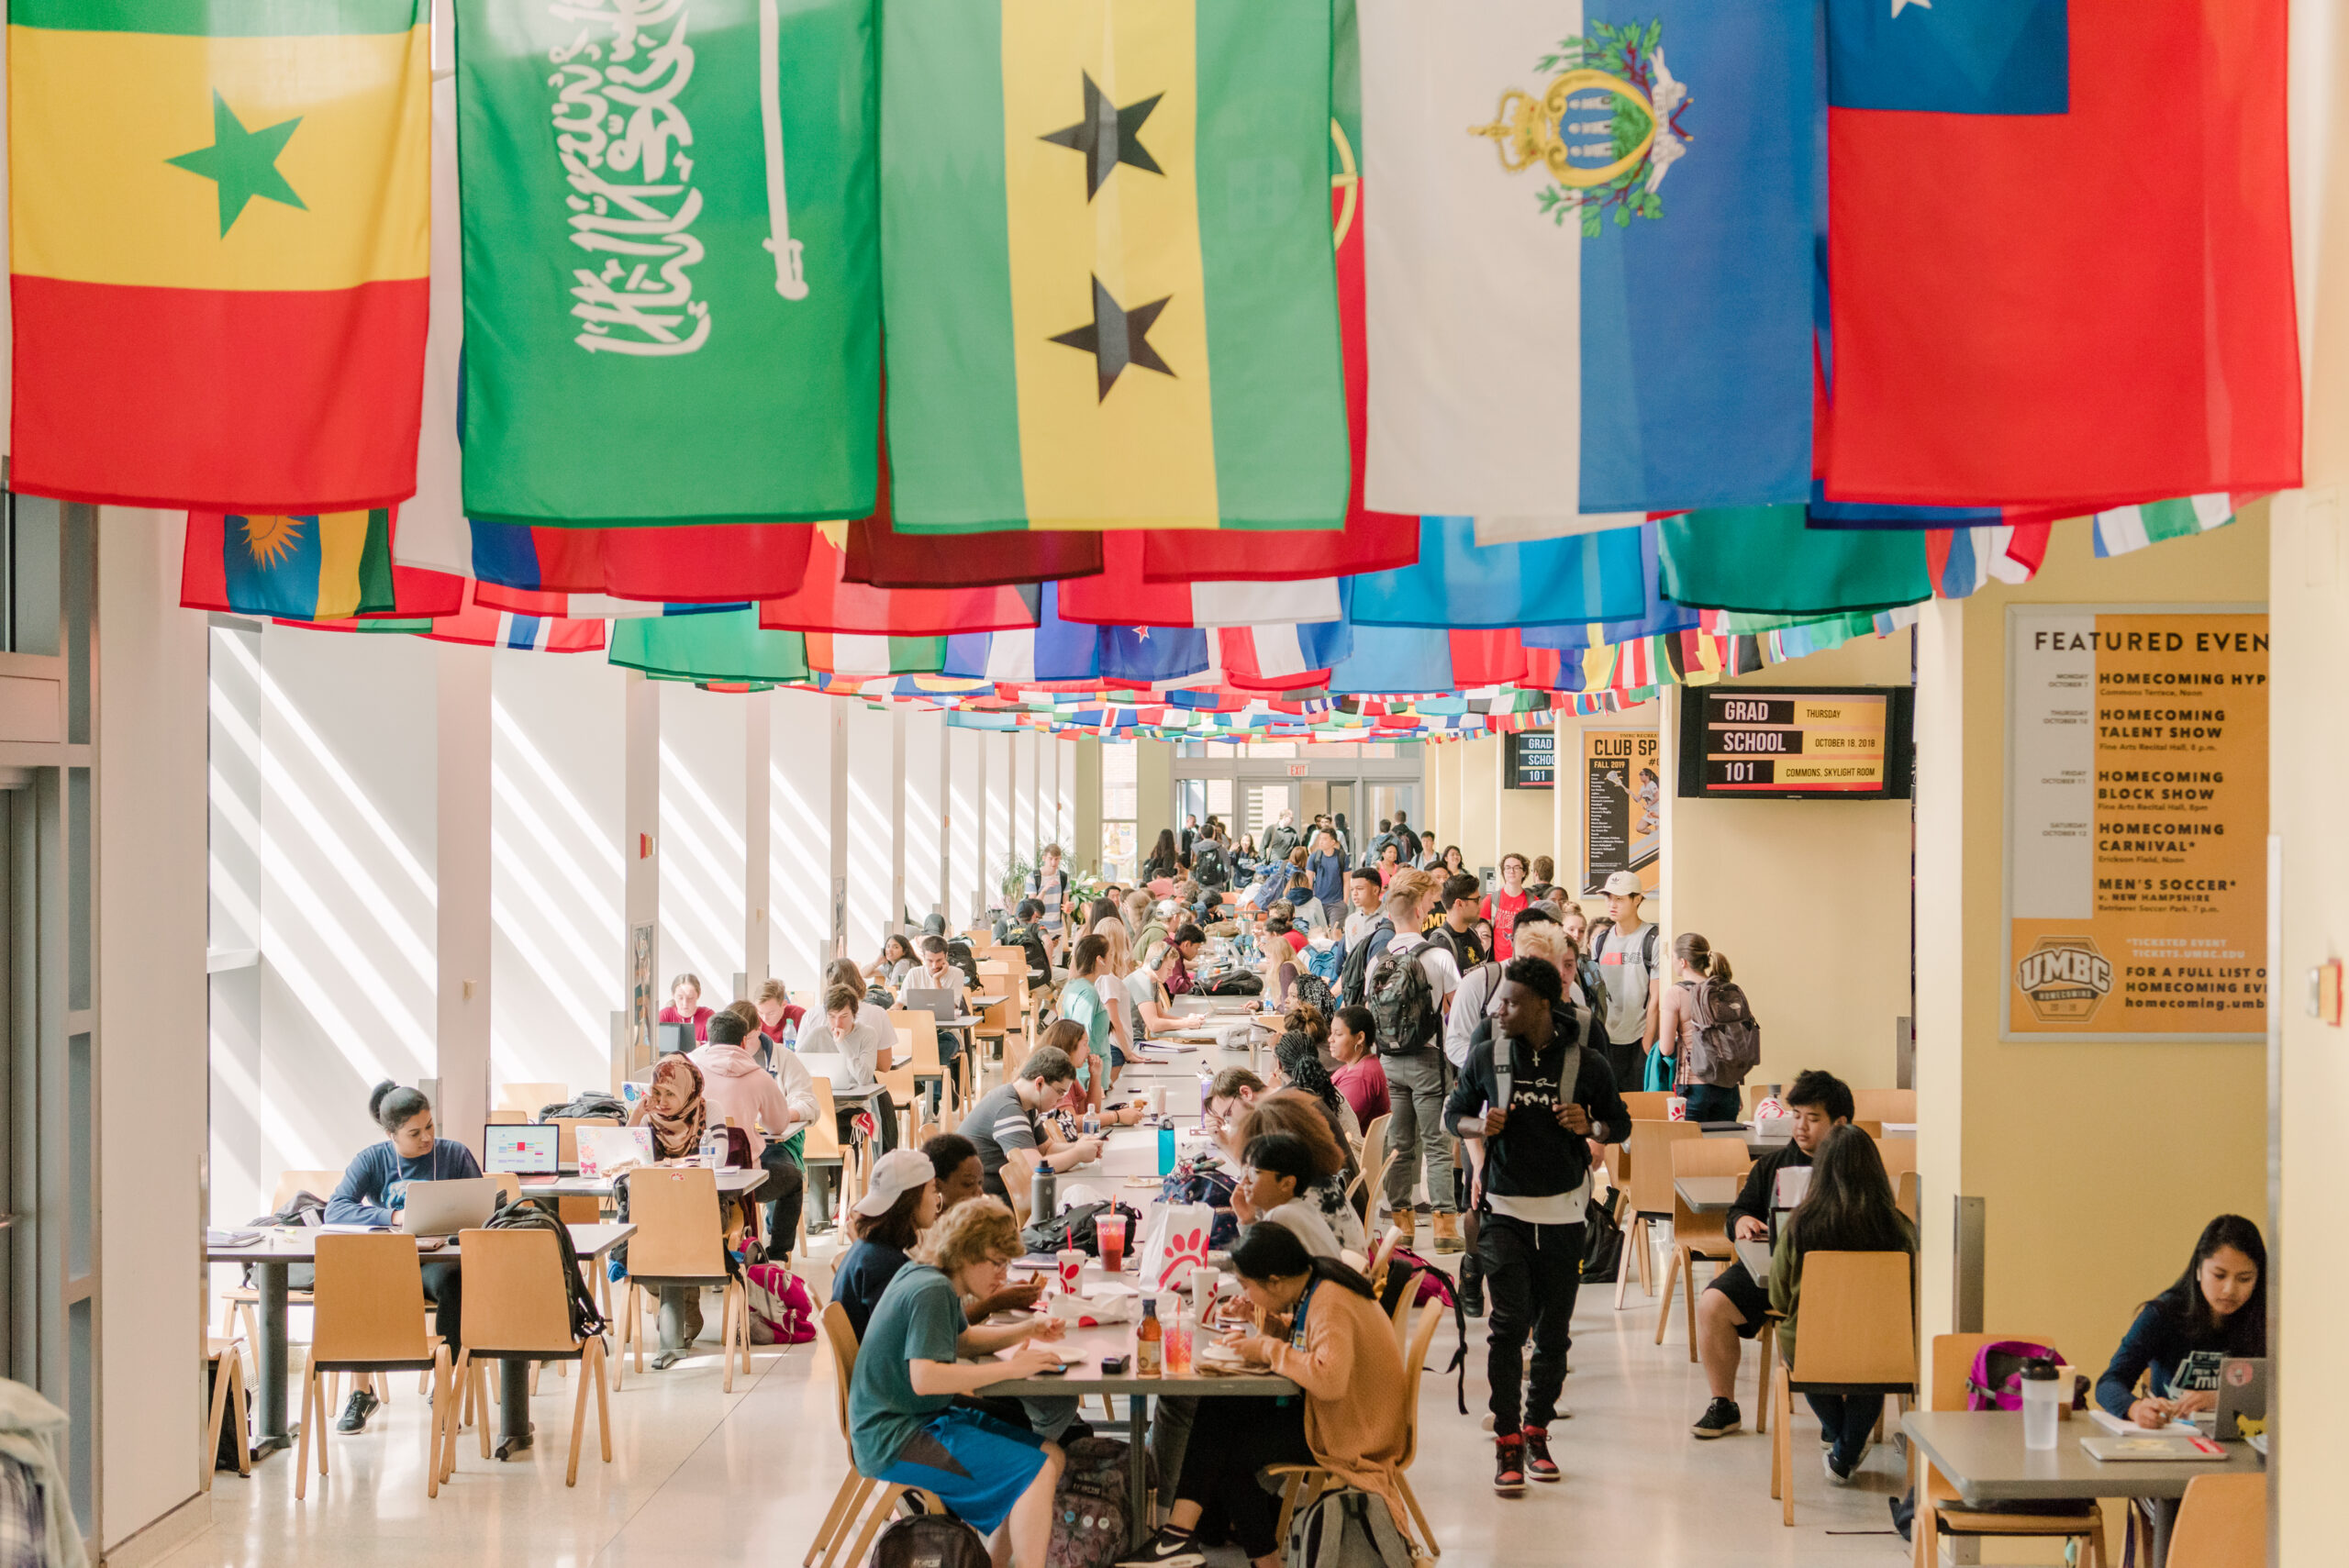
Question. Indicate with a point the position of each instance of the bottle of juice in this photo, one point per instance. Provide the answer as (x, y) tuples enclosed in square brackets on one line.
[(1150, 1345)]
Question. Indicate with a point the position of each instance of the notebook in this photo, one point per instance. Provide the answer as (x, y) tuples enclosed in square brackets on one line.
[(2154, 1448), (608, 1151)]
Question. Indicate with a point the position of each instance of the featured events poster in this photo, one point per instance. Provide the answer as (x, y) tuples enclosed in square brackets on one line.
[(1622, 797), (2136, 822)]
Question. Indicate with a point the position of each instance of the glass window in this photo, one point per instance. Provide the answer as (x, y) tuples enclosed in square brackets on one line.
[(1120, 795)]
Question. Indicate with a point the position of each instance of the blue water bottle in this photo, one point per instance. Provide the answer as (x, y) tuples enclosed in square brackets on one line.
[(1166, 1149)]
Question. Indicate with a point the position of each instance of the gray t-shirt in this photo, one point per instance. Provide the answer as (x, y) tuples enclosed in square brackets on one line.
[(998, 1124)]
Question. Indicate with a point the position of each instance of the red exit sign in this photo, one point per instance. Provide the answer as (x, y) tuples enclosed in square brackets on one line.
[(1297, 770)]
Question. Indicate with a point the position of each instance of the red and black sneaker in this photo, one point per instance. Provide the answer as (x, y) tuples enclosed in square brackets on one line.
[(1538, 1462), (1508, 1465)]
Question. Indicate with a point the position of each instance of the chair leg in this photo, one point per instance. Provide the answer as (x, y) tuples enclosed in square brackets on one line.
[(1420, 1516), (578, 1425), (444, 1414), (1768, 1341), (1624, 1263), (603, 1403), (873, 1521), (1670, 1275), (1785, 1397), (1688, 1266), (236, 1405), (725, 1337), (250, 1323), (861, 1496), (219, 1414), (433, 1456), (1925, 1530), (831, 1516), (302, 1448)]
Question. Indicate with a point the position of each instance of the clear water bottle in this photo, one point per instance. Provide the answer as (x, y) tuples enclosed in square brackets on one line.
[(711, 1148), (791, 1034)]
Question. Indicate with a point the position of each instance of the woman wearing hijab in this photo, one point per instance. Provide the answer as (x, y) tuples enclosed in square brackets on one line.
[(673, 1108)]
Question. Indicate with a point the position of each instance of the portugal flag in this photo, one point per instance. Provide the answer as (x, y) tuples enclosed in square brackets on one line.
[(218, 232), (1107, 268)]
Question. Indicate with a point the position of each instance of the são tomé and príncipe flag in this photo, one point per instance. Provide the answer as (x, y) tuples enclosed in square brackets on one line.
[(1107, 266), (218, 230)]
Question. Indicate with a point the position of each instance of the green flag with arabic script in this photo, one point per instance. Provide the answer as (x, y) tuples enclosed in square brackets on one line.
[(671, 274)]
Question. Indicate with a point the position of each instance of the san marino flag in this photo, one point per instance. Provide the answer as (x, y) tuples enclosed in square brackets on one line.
[(671, 277), (1590, 258)]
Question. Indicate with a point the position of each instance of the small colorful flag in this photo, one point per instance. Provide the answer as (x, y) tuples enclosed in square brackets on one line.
[(2127, 528), (1053, 650), (306, 567), (1763, 559), (1120, 595), (724, 646), (1458, 582), (1960, 560), (827, 601), (481, 626), (1281, 658)]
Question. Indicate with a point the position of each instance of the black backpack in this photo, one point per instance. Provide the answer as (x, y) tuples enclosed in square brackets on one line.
[(306, 1208), (1208, 868), (1354, 976), (1602, 1242), (526, 1215), (1406, 1270), (931, 1541)]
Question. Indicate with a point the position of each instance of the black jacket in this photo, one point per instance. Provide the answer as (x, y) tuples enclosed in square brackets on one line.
[(1533, 1156)]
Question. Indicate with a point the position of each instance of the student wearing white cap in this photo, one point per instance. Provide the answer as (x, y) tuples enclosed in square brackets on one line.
[(901, 1202), (1631, 975)]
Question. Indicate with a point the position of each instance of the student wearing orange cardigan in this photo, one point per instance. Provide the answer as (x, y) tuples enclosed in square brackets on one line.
[(1330, 1339)]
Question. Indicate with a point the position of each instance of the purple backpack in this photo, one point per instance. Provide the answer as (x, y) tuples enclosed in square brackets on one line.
[(1995, 1383)]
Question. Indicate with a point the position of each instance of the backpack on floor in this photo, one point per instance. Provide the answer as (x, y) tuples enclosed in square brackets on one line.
[(1602, 1243), (1406, 1270), (782, 1313), (1089, 1506), (1402, 1001), (525, 1215), (931, 1541), (1347, 1528), (1995, 1381)]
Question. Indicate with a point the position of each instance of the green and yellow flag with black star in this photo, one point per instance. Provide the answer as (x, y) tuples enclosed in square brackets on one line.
[(1107, 272)]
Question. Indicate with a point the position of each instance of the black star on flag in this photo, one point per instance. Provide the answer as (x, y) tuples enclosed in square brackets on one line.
[(1118, 337), (1107, 136)]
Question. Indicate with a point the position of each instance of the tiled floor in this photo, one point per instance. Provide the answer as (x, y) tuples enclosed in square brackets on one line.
[(705, 1479)]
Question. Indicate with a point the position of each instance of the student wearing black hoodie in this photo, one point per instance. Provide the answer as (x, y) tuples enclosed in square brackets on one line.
[(1532, 1186)]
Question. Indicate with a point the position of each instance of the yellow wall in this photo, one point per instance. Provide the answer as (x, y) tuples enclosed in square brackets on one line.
[(2097, 1163), (1808, 899), (1521, 816), (1480, 778)]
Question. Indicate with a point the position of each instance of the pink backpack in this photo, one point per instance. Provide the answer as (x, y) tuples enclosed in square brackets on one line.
[(1995, 1381), (781, 1310)]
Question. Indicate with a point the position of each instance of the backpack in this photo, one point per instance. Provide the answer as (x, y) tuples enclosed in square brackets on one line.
[(1995, 1381), (1077, 1226), (931, 1541), (589, 1103), (958, 954), (1402, 1002), (1354, 976), (1090, 1506), (1188, 1183), (1346, 1527), (306, 1208), (524, 1214), (1602, 1242), (782, 1313), (1403, 1268), (1232, 983), (1208, 868), (1593, 989), (1729, 1039)]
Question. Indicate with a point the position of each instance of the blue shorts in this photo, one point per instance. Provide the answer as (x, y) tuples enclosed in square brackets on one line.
[(976, 1465)]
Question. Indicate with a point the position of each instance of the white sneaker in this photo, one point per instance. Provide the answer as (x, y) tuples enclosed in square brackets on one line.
[(1834, 1477)]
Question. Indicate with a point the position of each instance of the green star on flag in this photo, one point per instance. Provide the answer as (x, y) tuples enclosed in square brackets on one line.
[(242, 162)]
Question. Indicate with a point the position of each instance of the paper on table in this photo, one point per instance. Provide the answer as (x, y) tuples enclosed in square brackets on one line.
[(2120, 1426)]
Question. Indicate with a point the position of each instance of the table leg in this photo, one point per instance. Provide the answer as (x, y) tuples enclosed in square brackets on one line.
[(272, 1360), (514, 1406), (1138, 1520), (2165, 1512)]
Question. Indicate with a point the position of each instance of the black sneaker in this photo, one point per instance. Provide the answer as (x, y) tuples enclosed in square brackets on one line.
[(1167, 1549), (355, 1411), (1720, 1419), (1508, 1465), (1538, 1462)]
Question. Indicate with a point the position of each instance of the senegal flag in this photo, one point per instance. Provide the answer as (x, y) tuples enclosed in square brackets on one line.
[(1107, 270), (219, 225)]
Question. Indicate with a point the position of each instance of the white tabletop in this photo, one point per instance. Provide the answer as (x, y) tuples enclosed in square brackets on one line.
[(741, 1179), (299, 1244), (1084, 1374)]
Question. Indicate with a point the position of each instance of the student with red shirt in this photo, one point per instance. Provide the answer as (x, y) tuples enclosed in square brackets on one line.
[(1354, 1040), (1501, 908), (685, 1006)]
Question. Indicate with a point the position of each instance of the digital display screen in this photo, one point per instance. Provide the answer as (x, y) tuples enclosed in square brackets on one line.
[(1795, 744)]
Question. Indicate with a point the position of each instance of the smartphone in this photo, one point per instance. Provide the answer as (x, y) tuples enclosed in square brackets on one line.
[(1058, 1369), (1113, 1367)]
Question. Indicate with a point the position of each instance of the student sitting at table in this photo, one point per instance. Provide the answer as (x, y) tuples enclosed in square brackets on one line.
[(902, 1201), (373, 1190), (685, 1004), (1276, 1173), (1736, 1306), (777, 1015), (1299, 1115), (1297, 1065), (673, 1107), (1326, 1334), (2216, 1308), (1064, 1124), (897, 960), (938, 972), (775, 1110), (866, 1041), (954, 1159), (1082, 1001), (1848, 1208), (1354, 1040), (1004, 1124), (905, 1427)]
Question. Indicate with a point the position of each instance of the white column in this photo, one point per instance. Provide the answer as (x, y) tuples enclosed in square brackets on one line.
[(640, 848), (836, 816), (799, 835), (757, 829), (966, 813), (995, 847), (923, 834), (869, 797), (462, 874), (896, 912), (1023, 793), (703, 874)]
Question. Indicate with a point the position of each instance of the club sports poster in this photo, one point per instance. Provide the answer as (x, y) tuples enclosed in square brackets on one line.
[(1622, 808), (2136, 823)]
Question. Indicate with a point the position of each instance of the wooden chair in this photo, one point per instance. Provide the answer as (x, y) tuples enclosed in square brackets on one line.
[(1306, 1482), (1648, 1104), (678, 1241), (1940, 1512), (1859, 1336), (1905, 1194), (1881, 1106), (917, 1033), (1698, 1236), (1899, 1157), (996, 1024), (1650, 1181), (855, 1499), (517, 1307), (2222, 1523), (823, 1149), (1375, 1160), (228, 1369), (534, 1098), (576, 1210), (369, 1318), (1753, 1095), (507, 1116), (1875, 1129)]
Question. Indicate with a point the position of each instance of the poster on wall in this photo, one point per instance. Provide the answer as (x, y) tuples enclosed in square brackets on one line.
[(2136, 815), (643, 1004), (1622, 817)]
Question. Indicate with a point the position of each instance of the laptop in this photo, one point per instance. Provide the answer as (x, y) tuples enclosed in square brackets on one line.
[(524, 1150), (2243, 1396), (608, 1151), (676, 1037), (943, 1006), (443, 1208)]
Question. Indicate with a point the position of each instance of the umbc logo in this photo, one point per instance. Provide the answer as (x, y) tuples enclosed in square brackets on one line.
[(2065, 977)]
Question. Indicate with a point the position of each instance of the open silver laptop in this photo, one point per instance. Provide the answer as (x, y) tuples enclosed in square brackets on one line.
[(943, 1006), (443, 1208)]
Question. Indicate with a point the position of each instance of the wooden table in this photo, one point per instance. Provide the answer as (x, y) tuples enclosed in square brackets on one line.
[(1086, 1376), (741, 1179), (1707, 1194), (282, 1247), (1980, 1453)]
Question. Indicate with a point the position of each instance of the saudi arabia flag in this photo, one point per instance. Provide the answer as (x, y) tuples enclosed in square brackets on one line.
[(1111, 287), (672, 303)]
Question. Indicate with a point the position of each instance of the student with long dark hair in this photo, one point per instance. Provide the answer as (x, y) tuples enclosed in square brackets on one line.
[(1848, 1208), (2216, 1308), (1324, 1332)]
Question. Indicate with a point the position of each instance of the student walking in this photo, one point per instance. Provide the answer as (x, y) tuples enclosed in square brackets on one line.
[(1703, 996), (1625, 953), (1410, 984), (1529, 1144)]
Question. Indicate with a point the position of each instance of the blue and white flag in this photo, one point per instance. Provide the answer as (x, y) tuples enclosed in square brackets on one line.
[(1393, 660), (1149, 656), (1658, 616), (1458, 582), (1590, 262), (1053, 650), (1961, 57)]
